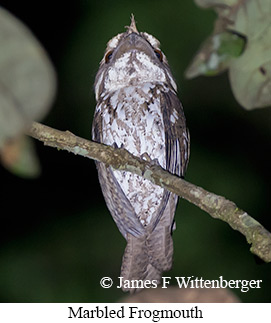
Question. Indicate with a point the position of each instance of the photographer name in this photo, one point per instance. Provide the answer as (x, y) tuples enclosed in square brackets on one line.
[(192, 282)]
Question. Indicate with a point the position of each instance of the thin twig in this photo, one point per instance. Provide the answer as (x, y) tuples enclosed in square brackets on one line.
[(217, 206)]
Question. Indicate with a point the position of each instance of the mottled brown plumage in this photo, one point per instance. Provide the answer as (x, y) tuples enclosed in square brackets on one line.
[(138, 109)]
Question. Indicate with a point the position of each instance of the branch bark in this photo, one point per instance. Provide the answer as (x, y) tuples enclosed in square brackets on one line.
[(217, 206)]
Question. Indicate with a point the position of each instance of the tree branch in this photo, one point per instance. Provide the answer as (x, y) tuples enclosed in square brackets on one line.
[(217, 206)]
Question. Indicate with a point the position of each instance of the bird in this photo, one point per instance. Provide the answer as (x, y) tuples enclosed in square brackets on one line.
[(138, 109)]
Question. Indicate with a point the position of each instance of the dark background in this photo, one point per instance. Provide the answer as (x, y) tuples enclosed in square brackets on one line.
[(57, 238)]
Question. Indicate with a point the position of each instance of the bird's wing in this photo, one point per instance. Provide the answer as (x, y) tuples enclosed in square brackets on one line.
[(177, 136), (177, 152), (159, 242)]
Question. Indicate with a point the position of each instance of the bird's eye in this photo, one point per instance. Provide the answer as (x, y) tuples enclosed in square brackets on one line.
[(108, 56), (159, 54)]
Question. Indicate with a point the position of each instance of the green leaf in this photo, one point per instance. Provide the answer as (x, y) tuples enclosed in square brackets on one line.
[(249, 62), (27, 78), (215, 54), (250, 74)]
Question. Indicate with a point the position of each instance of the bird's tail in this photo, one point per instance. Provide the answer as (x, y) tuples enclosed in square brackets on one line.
[(145, 259)]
